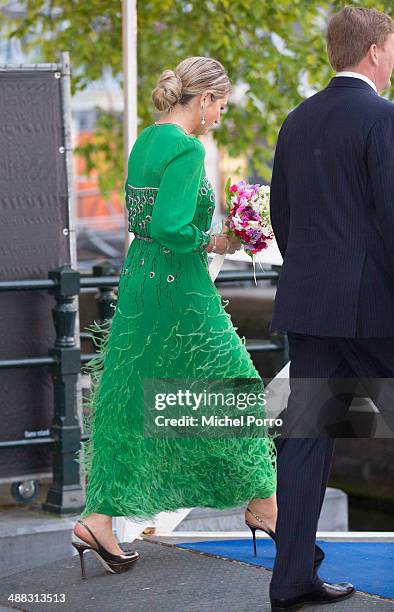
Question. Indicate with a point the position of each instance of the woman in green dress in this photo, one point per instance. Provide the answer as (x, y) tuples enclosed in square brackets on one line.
[(169, 321)]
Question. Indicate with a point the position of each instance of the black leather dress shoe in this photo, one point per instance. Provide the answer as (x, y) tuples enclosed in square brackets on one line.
[(327, 593)]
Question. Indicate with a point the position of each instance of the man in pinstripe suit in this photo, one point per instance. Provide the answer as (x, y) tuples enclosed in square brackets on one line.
[(332, 211)]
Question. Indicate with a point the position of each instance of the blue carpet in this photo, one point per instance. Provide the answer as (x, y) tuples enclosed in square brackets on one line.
[(367, 565)]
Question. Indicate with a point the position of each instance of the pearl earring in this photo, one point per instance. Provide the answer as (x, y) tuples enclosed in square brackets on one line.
[(203, 118)]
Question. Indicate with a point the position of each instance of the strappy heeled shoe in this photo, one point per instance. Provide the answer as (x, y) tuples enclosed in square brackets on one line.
[(112, 563), (254, 527)]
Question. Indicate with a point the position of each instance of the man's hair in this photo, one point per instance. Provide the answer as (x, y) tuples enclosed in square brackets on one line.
[(352, 31)]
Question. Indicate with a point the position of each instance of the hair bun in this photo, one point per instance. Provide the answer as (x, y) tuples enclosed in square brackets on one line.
[(168, 90)]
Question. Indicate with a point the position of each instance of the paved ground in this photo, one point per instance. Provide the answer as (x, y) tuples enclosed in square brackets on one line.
[(165, 579)]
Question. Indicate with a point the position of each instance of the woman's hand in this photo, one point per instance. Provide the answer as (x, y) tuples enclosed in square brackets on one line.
[(225, 242), (235, 244)]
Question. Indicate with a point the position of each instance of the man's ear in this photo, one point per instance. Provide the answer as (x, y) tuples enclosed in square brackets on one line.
[(372, 53)]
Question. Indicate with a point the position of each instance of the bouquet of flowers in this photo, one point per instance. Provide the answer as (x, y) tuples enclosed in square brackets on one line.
[(248, 218)]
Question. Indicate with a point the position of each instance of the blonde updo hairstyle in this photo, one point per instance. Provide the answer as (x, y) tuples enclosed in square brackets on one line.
[(191, 77)]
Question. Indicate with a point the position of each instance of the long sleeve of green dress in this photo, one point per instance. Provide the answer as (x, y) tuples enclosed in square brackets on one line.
[(175, 206)]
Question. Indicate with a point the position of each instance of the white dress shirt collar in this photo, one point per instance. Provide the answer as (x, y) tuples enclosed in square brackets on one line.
[(357, 75)]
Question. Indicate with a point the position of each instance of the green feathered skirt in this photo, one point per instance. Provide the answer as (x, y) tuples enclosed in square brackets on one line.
[(169, 321)]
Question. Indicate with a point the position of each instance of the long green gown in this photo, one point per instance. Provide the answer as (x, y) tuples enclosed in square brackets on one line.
[(169, 321)]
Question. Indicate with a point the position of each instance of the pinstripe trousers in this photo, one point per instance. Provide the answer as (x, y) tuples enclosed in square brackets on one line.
[(304, 463)]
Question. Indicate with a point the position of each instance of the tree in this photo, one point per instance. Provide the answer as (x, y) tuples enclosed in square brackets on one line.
[(276, 49)]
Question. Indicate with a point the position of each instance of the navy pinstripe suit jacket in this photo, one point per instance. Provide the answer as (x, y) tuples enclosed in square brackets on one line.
[(332, 211)]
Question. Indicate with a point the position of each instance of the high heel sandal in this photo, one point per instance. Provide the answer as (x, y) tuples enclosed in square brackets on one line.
[(254, 527), (112, 563)]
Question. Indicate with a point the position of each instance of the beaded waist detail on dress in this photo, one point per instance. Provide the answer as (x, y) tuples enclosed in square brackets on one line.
[(147, 238)]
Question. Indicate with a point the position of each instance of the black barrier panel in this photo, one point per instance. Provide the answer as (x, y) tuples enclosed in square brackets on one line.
[(34, 239)]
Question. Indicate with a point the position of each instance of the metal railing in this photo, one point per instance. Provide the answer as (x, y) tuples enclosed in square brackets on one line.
[(64, 360)]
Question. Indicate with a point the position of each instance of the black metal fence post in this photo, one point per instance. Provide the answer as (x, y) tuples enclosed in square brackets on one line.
[(65, 495), (106, 298)]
